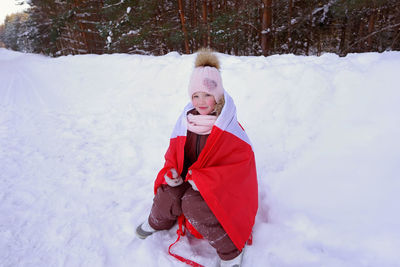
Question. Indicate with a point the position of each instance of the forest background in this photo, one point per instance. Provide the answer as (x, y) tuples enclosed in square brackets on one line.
[(238, 27)]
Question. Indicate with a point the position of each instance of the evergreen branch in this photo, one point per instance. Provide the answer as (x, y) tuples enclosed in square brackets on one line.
[(371, 34)]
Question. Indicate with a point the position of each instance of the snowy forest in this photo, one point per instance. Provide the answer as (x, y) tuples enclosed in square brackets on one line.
[(237, 27), (90, 91)]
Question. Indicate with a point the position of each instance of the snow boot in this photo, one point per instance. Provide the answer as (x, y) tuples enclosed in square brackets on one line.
[(144, 230), (235, 262)]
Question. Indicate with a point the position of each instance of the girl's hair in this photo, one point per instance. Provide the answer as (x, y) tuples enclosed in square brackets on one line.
[(220, 104)]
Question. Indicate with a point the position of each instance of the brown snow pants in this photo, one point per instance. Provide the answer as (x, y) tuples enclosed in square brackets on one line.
[(170, 202)]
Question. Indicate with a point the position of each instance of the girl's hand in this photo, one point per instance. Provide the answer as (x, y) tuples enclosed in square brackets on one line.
[(172, 178)]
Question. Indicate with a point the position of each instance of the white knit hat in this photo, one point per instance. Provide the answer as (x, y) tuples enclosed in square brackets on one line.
[(206, 76)]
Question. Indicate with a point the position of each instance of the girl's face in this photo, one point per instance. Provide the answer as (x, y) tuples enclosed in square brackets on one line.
[(203, 102)]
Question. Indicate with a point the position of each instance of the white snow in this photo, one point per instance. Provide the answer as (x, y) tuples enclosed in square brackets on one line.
[(82, 138)]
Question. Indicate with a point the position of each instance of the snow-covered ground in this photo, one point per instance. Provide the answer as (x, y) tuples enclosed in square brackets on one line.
[(82, 138)]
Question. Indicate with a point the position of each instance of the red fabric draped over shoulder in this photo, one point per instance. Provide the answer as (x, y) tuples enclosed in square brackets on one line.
[(225, 172)]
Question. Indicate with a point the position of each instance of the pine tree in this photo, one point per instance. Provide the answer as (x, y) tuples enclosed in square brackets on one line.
[(239, 27)]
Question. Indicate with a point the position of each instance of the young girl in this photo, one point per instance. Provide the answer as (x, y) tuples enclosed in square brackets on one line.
[(209, 177)]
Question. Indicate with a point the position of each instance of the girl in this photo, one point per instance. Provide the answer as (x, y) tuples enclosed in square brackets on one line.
[(209, 176)]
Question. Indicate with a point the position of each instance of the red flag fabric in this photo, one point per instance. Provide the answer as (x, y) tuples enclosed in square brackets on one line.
[(225, 172)]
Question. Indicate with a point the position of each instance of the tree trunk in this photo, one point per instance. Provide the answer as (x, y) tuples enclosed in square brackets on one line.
[(342, 46), (266, 27), (81, 33), (193, 23), (210, 20), (289, 36), (360, 33), (193, 17), (182, 16), (371, 26), (310, 32), (238, 6), (205, 26)]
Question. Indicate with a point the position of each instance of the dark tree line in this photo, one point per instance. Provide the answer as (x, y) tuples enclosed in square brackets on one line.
[(239, 27)]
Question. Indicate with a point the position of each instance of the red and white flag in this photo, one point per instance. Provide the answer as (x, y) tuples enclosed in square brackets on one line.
[(225, 172)]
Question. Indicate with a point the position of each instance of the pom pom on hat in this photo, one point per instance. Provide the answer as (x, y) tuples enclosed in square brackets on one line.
[(205, 57), (206, 76)]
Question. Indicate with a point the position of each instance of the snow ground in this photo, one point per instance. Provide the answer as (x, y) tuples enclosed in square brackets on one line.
[(82, 138)]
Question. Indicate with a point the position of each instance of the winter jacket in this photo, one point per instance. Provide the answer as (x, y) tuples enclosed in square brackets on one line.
[(194, 144)]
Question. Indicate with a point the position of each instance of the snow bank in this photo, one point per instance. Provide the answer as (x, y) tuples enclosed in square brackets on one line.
[(82, 137)]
